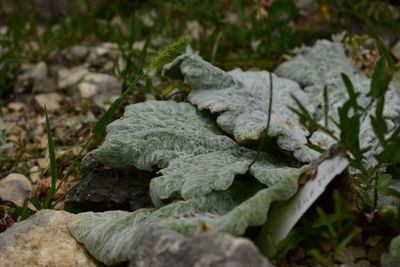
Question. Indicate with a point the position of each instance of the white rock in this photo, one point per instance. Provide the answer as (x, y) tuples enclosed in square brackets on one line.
[(87, 90), (15, 188), (34, 174), (194, 29), (16, 106), (102, 50), (99, 86), (36, 72), (232, 17), (67, 78), (138, 45), (147, 19), (304, 4), (77, 53), (43, 240), (51, 100)]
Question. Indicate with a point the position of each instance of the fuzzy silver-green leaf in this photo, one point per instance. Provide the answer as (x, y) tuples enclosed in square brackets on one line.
[(109, 236), (197, 158), (321, 66), (241, 101), (392, 258)]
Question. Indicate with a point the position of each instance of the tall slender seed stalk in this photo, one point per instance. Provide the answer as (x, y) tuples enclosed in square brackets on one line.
[(265, 132), (326, 106), (164, 56)]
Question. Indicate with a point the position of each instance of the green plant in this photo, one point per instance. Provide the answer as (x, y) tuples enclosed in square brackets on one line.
[(200, 165), (200, 176), (352, 115), (335, 229)]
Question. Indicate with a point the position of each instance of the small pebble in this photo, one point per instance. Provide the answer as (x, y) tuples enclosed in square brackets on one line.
[(16, 106), (43, 163), (51, 100), (15, 188), (34, 174), (373, 240), (362, 263), (395, 50)]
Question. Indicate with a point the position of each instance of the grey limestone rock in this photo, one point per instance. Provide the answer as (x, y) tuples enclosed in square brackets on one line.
[(162, 247), (110, 189)]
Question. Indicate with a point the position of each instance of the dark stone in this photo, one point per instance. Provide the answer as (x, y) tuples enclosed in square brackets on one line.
[(110, 189), (162, 247)]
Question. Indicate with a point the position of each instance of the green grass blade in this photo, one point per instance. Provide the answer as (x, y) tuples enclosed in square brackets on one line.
[(380, 79), (342, 244), (315, 147), (68, 191), (73, 164), (53, 163), (35, 202)]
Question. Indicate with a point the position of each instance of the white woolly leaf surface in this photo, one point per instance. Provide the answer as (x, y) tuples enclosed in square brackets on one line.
[(155, 132), (194, 176), (322, 65), (392, 258), (196, 157), (109, 236), (241, 100), (319, 63)]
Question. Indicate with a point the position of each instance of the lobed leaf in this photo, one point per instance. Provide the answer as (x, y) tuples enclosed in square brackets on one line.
[(325, 69), (196, 157), (241, 101), (109, 236)]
